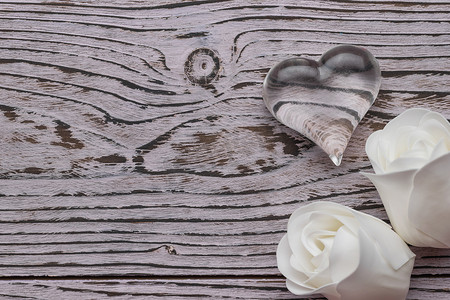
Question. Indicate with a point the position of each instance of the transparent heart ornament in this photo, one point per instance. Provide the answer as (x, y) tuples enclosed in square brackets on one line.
[(324, 100)]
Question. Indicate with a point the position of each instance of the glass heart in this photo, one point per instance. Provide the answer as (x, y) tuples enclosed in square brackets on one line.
[(324, 100)]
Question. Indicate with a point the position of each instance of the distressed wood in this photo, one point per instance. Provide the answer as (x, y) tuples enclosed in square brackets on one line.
[(250, 288), (135, 164)]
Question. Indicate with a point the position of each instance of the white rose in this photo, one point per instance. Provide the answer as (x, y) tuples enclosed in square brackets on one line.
[(343, 254), (411, 159)]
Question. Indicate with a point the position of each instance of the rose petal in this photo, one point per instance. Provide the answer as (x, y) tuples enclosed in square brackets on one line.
[(434, 117), (297, 223), (319, 225), (420, 140), (391, 246), (374, 153), (439, 150), (414, 133), (384, 156), (410, 117), (374, 279), (328, 290), (429, 207), (344, 256), (349, 221), (395, 191), (407, 163), (321, 261), (283, 254), (320, 279), (295, 280), (398, 141), (437, 131)]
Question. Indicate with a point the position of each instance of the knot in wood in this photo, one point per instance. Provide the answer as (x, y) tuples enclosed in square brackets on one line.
[(202, 66)]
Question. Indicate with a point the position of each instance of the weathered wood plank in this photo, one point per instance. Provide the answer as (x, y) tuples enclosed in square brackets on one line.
[(116, 162), (188, 237), (252, 288)]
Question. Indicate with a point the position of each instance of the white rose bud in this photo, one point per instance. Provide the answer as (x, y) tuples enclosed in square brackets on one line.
[(411, 159), (343, 254)]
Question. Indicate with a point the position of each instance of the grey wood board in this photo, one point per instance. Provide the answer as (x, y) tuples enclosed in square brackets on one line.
[(249, 288)]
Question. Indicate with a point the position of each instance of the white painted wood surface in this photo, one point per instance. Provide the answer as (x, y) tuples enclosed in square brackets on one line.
[(119, 176)]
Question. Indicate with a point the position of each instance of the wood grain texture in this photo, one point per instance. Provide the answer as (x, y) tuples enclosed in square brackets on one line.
[(249, 288), (161, 173)]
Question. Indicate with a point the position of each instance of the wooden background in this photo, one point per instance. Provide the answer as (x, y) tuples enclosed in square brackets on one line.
[(134, 164)]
